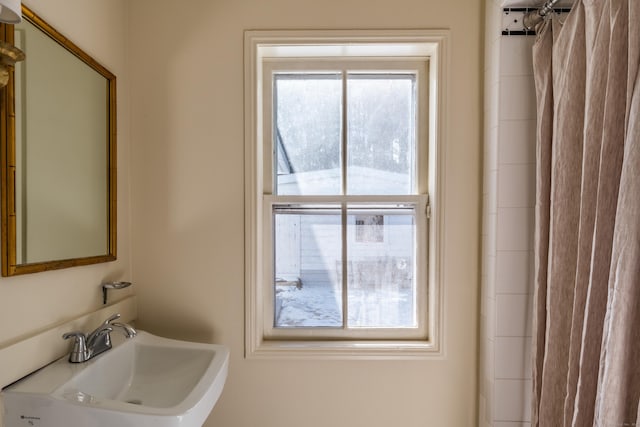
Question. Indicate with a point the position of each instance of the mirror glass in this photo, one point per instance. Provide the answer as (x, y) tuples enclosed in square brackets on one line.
[(59, 165)]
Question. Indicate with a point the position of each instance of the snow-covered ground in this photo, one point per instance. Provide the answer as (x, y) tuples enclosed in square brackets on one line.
[(321, 305)]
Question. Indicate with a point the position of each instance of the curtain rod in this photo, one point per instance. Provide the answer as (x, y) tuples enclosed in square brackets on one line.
[(533, 18)]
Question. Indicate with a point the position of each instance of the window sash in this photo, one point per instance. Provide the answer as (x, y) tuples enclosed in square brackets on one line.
[(346, 66), (344, 130), (419, 205)]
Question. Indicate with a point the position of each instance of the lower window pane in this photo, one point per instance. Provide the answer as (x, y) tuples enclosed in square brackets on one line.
[(380, 271), (381, 287), (308, 290)]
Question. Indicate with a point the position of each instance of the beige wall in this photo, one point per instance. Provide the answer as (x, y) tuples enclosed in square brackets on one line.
[(186, 64), (34, 302)]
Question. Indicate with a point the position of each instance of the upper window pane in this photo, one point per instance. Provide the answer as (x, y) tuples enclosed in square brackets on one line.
[(308, 117), (381, 143)]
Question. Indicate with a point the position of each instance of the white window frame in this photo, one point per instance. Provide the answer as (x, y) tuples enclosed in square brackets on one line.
[(267, 47), (416, 66)]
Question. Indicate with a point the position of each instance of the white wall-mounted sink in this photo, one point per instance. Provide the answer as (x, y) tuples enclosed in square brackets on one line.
[(145, 381)]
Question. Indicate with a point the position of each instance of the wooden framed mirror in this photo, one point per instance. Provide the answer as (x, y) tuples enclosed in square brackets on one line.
[(57, 153)]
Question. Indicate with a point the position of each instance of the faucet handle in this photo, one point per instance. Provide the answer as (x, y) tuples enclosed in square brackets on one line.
[(128, 330), (79, 353), (77, 334)]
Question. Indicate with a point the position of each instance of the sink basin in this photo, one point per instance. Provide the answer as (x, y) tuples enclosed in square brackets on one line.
[(145, 381)]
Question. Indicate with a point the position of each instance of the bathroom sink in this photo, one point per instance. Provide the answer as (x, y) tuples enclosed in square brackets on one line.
[(145, 381)]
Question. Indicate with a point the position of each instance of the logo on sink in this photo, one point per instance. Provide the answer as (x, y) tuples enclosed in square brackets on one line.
[(30, 420)]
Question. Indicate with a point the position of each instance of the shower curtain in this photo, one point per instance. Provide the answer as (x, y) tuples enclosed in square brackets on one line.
[(586, 338)]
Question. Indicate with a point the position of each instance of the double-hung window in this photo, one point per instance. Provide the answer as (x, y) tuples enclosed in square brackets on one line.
[(339, 211)]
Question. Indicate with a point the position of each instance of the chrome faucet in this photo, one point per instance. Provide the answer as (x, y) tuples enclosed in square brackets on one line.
[(88, 346)]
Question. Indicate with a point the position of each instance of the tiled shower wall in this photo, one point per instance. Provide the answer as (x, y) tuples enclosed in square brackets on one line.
[(508, 212)]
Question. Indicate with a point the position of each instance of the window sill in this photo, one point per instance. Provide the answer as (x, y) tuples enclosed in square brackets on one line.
[(345, 350)]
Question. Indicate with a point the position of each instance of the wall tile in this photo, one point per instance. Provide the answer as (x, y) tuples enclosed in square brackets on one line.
[(483, 298), (517, 100), (516, 186), (513, 315), (492, 77), (512, 358), (491, 135), (489, 247), (489, 240), (486, 364), (491, 148), (512, 399), (516, 58), (515, 229), (490, 402), (488, 322), (517, 141), (489, 268), (492, 105), (491, 278), (482, 414), (514, 272), (492, 59), (490, 366), (493, 21), (491, 190), (488, 221)]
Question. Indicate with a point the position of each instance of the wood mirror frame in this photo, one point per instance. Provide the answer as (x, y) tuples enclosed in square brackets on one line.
[(11, 263)]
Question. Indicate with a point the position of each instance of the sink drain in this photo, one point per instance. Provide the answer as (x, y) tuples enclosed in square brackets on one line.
[(135, 401)]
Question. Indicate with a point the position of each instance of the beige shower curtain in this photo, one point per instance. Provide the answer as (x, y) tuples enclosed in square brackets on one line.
[(586, 338)]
